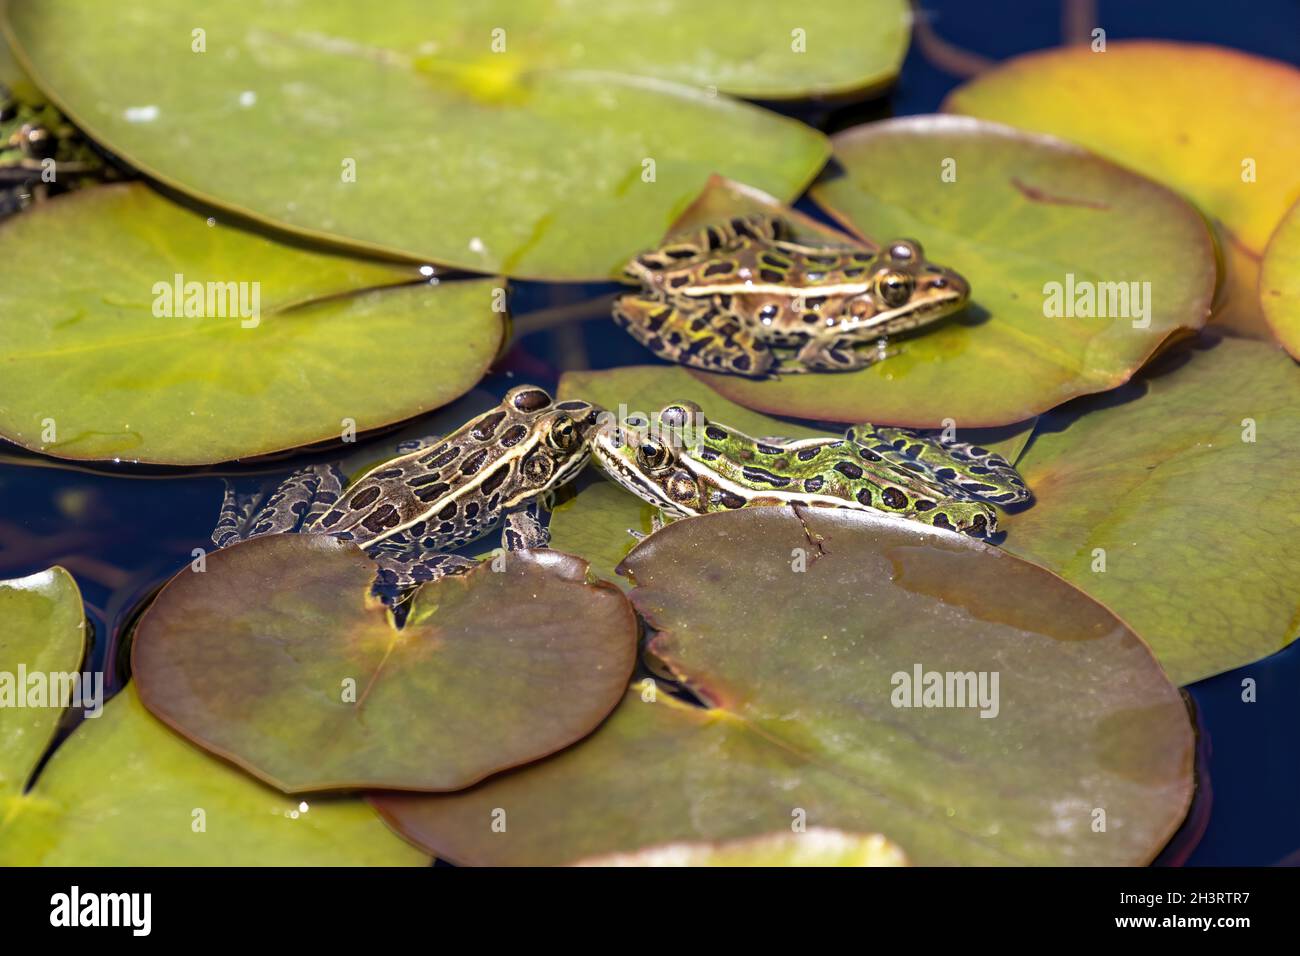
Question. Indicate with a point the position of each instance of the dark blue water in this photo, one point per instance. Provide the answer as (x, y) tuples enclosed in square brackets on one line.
[(122, 534)]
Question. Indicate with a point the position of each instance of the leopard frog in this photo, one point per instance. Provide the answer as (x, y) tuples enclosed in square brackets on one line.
[(742, 297), (686, 465), (439, 495)]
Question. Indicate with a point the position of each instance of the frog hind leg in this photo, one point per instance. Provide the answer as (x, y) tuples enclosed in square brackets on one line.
[(698, 334), (975, 518), (415, 444), (330, 482), (692, 244), (291, 507), (972, 472), (232, 520)]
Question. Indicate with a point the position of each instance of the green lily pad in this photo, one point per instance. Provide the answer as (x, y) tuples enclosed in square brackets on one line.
[(1023, 212), (11, 74), (124, 790), (815, 847), (849, 45), (89, 371), (407, 134), (1087, 761), (1279, 282), (595, 522), (1185, 497), (1200, 118), (273, 659), (44, 633)]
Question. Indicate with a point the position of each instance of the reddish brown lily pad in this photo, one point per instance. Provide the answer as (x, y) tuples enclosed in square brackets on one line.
[(1088, 759), (274, 658)]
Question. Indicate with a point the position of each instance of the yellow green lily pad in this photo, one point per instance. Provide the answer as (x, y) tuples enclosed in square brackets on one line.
[(1205, 120), (810, 719), (1279, 282), (596, 520), (11, 74), (274, 658), (1176, 508), (266, 346), (124, 790), (816, 847), (487, 138), (44, 633), (1079, 271)]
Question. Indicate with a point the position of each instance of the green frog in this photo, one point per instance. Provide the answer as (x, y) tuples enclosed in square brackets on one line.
[(686, 465), (438, 495), (742, 297)]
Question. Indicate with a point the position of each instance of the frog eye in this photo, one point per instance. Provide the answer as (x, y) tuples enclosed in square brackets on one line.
[(895, 288), (37, 142), (679, 414), (563, 434), (906, 250), (653, 455)]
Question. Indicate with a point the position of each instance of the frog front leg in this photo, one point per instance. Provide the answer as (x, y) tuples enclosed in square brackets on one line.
[(403, 565), (837, 354), (405, 562), (694, 332)]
